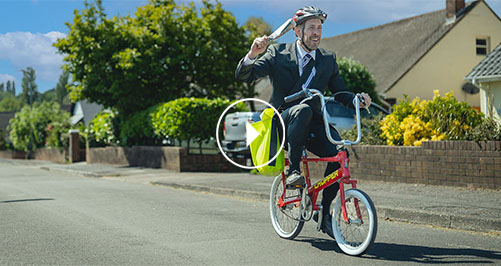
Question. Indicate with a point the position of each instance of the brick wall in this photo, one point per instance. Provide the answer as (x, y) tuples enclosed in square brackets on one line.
[(172, 158), (51, 154), (47, 154), (107, 155), (13, 154), (450, 163), (209, 163)]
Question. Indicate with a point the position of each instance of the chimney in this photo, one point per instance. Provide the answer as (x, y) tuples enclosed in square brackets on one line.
[(453, 6)]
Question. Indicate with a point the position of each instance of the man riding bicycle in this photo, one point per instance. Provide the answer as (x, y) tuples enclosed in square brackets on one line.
[(291, 67)]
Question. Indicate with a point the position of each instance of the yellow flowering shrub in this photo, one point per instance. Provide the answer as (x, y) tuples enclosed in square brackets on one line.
[(404, 126), (416, 131), (451, 117), (390, 128), (415, 121)]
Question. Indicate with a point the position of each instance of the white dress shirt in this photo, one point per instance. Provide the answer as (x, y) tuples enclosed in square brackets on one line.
[(300, 57)]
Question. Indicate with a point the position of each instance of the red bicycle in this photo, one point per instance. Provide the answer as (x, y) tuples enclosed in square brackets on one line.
[(354, 218)]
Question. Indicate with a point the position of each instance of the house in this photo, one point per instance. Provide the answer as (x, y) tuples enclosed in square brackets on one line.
[(84, 111), (487, 76), (432, 51)]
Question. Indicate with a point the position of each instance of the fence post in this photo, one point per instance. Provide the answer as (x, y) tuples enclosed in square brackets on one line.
[(74, 155)]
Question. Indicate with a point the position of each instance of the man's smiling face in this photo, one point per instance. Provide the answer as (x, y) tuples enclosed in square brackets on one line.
[(312, 33)]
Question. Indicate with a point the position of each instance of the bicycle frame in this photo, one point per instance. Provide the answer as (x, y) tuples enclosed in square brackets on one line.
[(342, 175)]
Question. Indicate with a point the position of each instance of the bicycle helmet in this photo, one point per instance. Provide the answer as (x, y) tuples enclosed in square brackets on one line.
[(308, 12), (302, 15)]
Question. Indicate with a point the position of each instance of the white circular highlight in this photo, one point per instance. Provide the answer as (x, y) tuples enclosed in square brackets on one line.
[(219, 123)]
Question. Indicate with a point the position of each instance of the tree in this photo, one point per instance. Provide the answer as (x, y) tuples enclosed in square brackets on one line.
[(358, 78), (8, 87), (256, 27), (61, 90), (30, 92), (10, 103), (29, 127), (13, 88), (49, 96), (2, 92), (165, 52)]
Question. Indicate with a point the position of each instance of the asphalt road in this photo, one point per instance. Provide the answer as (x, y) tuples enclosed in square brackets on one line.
[(48, 218)]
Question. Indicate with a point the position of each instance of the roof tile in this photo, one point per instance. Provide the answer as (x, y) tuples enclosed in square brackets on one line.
[(390, 50), (489, 66)]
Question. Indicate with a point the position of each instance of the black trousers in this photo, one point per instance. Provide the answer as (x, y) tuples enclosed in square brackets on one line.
[(305, 129)]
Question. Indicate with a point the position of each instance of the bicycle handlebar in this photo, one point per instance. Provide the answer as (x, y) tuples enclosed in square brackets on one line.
[(296, 96), (308, 94)]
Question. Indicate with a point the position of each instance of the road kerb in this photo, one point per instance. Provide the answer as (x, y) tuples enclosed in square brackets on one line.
[(71, 171), (221, 191), (383, 212)]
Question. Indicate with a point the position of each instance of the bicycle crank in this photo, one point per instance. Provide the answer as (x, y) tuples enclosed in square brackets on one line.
[(306, 206)]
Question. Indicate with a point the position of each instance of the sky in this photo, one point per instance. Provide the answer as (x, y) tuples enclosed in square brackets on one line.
[(28, 28)]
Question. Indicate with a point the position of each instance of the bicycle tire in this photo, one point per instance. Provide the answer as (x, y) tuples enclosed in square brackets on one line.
[(357, 237), (286, 221)]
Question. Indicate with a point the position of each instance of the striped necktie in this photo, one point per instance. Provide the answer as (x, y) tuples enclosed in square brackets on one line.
[(306, 59)]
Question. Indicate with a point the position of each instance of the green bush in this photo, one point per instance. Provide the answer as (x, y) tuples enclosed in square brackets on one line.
[(138, 129), (10, 103), (28, 128), (58, 133), (189, 118), (103, 129), (489, 129), (451, 117), (371, 131), (358, 78)]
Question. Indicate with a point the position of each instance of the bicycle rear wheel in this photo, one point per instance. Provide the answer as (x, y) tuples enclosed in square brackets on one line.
[(357, 236), (286, 220)]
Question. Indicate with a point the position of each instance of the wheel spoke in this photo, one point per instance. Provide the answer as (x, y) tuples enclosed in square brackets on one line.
[(286, 220), (355, 237)]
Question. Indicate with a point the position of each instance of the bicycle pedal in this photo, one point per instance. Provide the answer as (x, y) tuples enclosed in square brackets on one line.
[(295, 186)]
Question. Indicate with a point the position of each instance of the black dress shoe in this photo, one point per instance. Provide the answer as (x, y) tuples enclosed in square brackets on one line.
[(327, 226), (294, 180), (315, 216)]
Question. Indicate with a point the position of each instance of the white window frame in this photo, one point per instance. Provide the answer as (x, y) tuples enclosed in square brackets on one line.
[(486, 46)]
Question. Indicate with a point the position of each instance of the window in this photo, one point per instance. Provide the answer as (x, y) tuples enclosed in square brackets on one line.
[(482, 44)]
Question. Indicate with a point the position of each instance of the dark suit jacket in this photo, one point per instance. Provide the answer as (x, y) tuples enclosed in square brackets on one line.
[(280, 63)]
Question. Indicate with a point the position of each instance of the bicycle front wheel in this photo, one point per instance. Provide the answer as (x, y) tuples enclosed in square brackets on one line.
[(356, 236), (286, 220)]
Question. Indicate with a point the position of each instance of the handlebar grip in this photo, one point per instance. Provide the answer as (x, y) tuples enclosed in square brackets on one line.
[(361, 98), (362, 101), (296, 96)]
